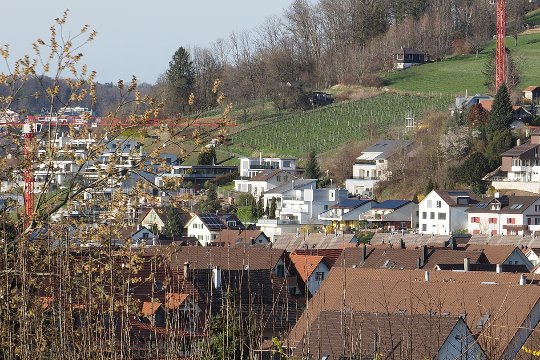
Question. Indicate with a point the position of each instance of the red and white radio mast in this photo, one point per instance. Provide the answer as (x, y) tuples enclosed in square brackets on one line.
[(500, 56)]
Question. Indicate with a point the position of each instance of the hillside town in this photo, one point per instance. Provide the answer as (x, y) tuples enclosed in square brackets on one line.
[(344, 219)]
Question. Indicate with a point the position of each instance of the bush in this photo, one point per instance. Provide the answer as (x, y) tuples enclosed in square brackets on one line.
[(224, 179), (371, 80)]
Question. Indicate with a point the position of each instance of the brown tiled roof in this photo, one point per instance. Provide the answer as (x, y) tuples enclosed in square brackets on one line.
[(397, 258), (495, 254), (230, 237), (338, 334), (530, 88), (174, 300), (291, 242), (330, 255), (231, 258), (520, 149), (473, 295), (306, 264), (150, 307)]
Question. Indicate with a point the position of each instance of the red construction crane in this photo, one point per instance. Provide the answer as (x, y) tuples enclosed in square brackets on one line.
[(500, 55), (28, 132)]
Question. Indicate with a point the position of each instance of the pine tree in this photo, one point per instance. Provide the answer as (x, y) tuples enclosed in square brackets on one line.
[(211, 204), (273, 208), (253, 208), (260, 207), (500, 116), (181, 78), (174, 226), (207, 156), (312, 170)]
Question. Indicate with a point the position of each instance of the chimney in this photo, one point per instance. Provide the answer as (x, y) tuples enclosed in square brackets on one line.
[(186, 270), (497, 195), (401, 243), (498, 268), (466, 264), (518, 142), (423, 255), (216, 277), (522, 280), (364, 252), (418, 261), (426, 276)]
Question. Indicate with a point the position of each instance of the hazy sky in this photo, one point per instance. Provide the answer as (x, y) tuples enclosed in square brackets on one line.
[(134, 37)]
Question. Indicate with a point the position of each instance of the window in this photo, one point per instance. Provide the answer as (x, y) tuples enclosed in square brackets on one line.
[(432, 215), (319, 276), (537, 208), (424, 227), (278, 178), (492, 220), (475, 220), (292, 290), (158, 286), (536, 221), (511, 221), (442, 216), (438, 204), (325, 207), (424, 215), (280, 270)]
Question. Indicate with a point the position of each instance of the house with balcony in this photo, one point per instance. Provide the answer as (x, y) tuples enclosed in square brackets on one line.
[(346, 213), (505, 215), (407, 57), (443, 212), (197, 175), (372, 166), (520, 167), (249, 167), (393, 215), (264, 181)]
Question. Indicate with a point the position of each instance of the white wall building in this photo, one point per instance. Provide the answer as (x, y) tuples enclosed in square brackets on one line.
[(264, 181), (505, 215), (443, 212), (250, 167), (372, 166)]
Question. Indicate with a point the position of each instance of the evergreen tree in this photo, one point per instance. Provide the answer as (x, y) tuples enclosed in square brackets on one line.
[(174, 226), (180, 77), (312, 170), (500, 116), (211, 204), (253, 208), (273, 208), (260, 207), (207, 156)]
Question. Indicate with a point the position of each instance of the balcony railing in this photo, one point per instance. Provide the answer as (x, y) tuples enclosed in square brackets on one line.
[(365, 162), (277, 222), (292, 197)]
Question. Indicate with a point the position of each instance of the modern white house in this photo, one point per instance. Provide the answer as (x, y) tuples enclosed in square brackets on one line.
[(304, 203), (312, 269), (372, 165), (249, 167), (264, 181), (505, 215), (443, 212)]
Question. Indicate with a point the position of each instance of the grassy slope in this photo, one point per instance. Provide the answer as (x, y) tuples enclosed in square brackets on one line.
[(533, 18), (455, 75)]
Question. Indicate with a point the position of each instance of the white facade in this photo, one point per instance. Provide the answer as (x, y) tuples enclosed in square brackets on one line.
[(305, 205), (259, 187), (250, 167), (437, 217), (317, 277), (460, 344), (197, 228), (497, 223)]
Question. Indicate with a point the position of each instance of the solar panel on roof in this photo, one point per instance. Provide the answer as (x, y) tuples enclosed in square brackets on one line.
[(212, 221)]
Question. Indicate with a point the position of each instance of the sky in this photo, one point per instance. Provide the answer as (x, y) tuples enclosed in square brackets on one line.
[(134, 37)]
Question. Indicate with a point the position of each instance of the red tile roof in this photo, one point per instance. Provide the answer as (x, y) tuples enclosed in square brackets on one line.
[(306, 264), (149, 308)]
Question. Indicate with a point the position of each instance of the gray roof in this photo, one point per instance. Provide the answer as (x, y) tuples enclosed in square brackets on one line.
[(295, 241), (387, 146), (293, 185)]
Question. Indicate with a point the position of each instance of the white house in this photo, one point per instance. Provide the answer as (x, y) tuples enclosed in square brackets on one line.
[(443, 212), (312, 269), (249, 167), (372, 165), (264, 181), (206, 227), (301, 201), (505, 215)]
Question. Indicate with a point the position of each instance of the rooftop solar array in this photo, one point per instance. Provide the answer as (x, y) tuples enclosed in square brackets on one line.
[(212, 221), (458, 193)]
